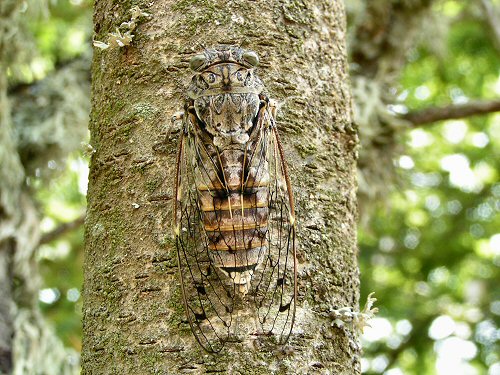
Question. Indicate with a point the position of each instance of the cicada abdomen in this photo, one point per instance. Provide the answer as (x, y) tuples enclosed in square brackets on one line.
[(234, 214)]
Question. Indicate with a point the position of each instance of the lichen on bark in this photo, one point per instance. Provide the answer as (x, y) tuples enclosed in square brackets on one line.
[(133, 316)]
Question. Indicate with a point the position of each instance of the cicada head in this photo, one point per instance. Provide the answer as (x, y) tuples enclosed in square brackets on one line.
[(224, 69), (225, 93)]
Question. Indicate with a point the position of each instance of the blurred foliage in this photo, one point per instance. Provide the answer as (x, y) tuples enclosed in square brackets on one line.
[(63, 34), (61, 261), (431, 253)]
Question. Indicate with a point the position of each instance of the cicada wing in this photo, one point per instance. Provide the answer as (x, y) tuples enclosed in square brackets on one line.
[(275, 283), (208, 298)]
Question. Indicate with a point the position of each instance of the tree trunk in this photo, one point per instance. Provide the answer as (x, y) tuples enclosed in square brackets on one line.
[(133, 313)]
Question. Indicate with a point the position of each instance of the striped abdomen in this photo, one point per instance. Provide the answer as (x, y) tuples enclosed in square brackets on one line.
[(235, 208)]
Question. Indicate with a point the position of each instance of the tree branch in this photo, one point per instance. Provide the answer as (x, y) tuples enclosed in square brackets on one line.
[(430, 115), (62, 229)]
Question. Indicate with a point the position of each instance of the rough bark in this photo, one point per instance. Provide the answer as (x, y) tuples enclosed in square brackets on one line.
[(133, 317)]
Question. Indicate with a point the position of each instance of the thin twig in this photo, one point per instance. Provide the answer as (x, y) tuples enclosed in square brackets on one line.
[(457, 111), (62, 229)]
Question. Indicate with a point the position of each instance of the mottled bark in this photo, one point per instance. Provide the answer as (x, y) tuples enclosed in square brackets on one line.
[(133, 316)]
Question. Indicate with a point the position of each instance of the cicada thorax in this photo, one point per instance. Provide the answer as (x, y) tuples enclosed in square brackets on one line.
[(234, 198)]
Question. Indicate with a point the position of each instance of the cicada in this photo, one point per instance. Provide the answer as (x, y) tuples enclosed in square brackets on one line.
[(234, 218)]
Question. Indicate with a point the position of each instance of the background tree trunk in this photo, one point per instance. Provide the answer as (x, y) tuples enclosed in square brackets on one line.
[(382, 33), (28, 345), (133, 316)]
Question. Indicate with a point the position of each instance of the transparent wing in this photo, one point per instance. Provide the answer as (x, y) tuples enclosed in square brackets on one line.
[(274, 285), (208, 297)]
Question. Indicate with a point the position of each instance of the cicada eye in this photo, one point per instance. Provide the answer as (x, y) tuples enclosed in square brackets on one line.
[(196, 62), (239, 76), (251, 58), (211, 78)]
